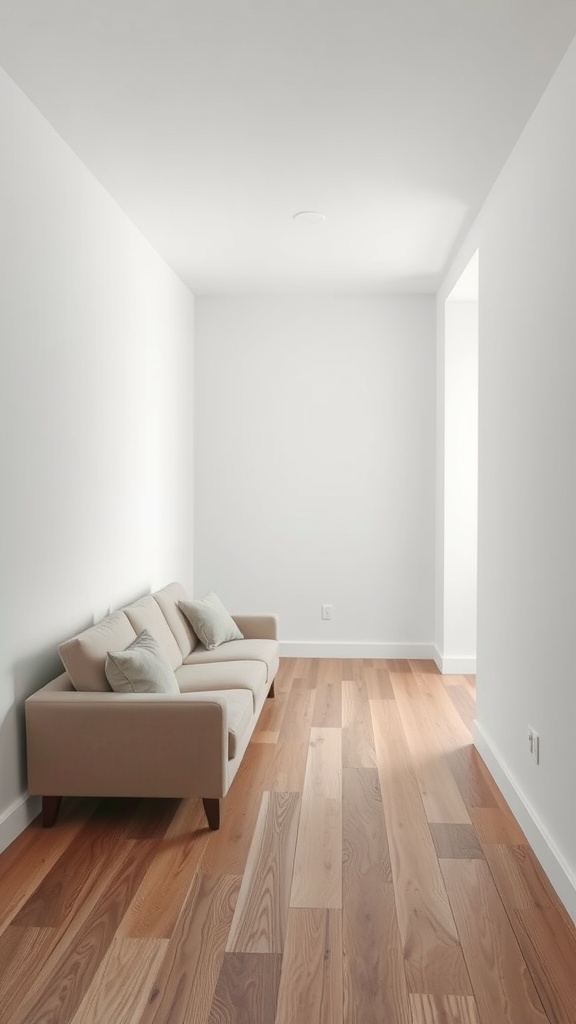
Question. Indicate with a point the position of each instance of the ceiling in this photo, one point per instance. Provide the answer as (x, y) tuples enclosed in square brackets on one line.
[(212, 122)]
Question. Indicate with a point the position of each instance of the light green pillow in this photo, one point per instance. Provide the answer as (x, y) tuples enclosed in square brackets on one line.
[(141, 668), (210, 621)]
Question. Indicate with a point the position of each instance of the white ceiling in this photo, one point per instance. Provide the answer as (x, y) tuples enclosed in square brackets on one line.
[(212, 122)]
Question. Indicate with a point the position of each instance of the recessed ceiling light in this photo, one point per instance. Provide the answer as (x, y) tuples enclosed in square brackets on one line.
[(309, 217)]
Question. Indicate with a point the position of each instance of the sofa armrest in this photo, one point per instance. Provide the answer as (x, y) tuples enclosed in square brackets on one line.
[(257, 627), (111, 744)]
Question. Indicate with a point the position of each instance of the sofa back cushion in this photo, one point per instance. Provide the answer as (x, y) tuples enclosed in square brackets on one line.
[(168, 599), (84, 656), (147, 614)]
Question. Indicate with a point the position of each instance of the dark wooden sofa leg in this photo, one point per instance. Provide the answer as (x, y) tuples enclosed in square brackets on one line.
[(271, 691), (50, 808), (212, 811)]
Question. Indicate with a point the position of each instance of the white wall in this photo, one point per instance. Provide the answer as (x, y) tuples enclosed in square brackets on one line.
[(460, 486), (527, 476), (95, 399), (314, 467)]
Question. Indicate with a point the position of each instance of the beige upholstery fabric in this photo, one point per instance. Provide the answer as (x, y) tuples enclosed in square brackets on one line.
[(239, 650), (211, 621), (240, 714), (84, 655), (257, 627), (216, 676), (168, 599), (147, 614), (141, 668)]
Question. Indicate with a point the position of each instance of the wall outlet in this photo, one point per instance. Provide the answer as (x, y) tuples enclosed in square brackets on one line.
[(327, 611), (534, 744)]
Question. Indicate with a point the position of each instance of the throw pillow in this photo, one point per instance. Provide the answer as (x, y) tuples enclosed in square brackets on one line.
[(210, 621), (141, 668)]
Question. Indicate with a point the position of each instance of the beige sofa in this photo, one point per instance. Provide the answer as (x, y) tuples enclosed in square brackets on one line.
[(85, 740)]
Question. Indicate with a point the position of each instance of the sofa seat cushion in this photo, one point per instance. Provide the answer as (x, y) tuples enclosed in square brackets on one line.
[(147, 614), (84, 656), (240, 717), (265, 651), (230, 675)]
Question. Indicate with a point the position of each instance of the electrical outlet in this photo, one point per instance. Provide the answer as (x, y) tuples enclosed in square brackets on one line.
[(534, 744), (327, 611)]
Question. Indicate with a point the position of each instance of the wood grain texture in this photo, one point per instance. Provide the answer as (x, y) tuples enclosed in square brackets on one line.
[(265, 737), (373, 979), (464, 703), (311, 980), (496, 825), (227, 849), (518, 877), (259, 923), (441, 797), (378, 684), (317, 878), (247, 989), (549, 949), (328, 702), (60, 985), (357, 734), (121, 986), (503, 987), (291, 751), (456, 841), (432, 954), (427, 1009), (184, 986)]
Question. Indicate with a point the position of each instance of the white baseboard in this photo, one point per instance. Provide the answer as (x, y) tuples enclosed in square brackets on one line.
[(14, 820), (458, 666), (556, 868), (353, 649)]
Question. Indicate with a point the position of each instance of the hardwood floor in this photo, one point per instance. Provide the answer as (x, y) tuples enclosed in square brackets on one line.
[(367, 871)]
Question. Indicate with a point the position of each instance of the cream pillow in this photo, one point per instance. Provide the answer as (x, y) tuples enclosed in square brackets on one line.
[(210, 621), (141, 668)]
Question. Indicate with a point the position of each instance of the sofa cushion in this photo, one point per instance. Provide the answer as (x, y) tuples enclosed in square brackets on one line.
[(227, 675), (141, 668), (211, 621), (84, 656), (265, 651), (147, 614), (168, 599), (240, 716)]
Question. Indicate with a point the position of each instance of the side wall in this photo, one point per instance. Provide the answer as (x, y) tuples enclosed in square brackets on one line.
[(315, 467), (95, 401), (527, 476)]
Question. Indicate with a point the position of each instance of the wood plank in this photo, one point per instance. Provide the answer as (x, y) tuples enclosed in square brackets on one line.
[(317, 878), (456, 841), (157, 903), (227, 849), (517, 877), (378, 684), (311, 979), (357, 735), (58, 988), (184, 986), (432, 954), (464, 703), (502, 983), (265, 737), (259, 923), (122, 984), (291, 752), (441, 797), (247, 989), (427, 1009), (549, 949), (374, 980), (34, 854), (496, 825), (328, 702)]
